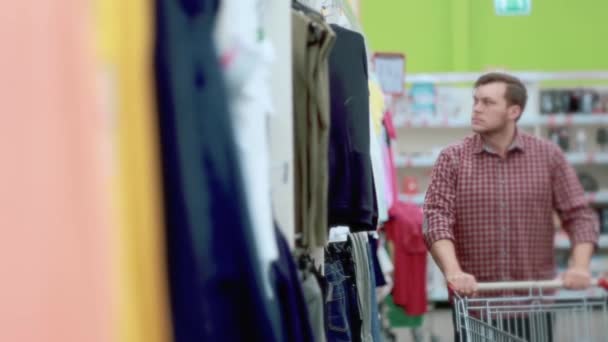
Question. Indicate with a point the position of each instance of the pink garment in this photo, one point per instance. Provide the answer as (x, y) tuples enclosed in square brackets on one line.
[(388, 174), (389, 160), (54, 251)]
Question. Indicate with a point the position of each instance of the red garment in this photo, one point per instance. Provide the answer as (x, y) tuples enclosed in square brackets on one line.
[(392, 134), (404, 229), (498, 211)]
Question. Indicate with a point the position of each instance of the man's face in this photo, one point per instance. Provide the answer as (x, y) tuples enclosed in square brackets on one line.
[(491, 112)]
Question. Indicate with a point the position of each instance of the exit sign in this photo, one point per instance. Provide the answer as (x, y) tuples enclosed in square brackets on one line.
[(513, 7)]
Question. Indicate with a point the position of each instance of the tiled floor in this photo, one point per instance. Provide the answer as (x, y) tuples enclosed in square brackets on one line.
[(437, 327)]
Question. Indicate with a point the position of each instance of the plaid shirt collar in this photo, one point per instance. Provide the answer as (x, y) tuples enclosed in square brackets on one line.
[(479, 146)]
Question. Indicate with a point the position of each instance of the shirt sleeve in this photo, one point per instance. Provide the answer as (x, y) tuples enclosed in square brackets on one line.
[(439, 216), (578, 220)]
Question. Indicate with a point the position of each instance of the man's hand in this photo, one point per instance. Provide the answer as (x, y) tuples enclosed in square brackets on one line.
[(462, 283), (577, 278)]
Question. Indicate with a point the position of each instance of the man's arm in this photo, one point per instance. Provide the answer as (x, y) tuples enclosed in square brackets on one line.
[(444, 254), (438, 223), (578, 276), (578, 220), (581, 255)]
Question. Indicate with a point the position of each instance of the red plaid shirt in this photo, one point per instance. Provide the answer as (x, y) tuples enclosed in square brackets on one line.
[(498, 212)]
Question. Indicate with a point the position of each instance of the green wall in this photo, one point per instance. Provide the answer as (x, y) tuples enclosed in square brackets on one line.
[(466, 35)]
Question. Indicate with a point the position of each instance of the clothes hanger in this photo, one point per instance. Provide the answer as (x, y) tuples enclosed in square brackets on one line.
[(295, 4)]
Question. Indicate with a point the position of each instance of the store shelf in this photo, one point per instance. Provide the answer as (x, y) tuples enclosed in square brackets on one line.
[(552, 120), (444, 122), (582, 158), (600, 197), (432, 122), (575, 158), (529, 120), (562, 241), (415, 161), (525, 76), (417, 199)]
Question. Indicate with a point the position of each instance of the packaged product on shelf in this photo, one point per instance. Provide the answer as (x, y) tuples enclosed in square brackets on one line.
[(602, 139)]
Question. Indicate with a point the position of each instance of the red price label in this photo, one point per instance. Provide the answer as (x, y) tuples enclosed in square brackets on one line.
[(408, 162), (568, 120), (590, 158), (551, 121)]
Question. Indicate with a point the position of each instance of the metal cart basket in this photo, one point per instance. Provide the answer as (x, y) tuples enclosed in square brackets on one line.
[(535, 311)]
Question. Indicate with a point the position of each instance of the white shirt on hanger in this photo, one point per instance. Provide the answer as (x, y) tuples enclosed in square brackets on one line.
[(246, 58)]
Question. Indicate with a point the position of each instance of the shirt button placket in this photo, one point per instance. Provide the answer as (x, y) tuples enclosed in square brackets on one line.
[(503, 216)]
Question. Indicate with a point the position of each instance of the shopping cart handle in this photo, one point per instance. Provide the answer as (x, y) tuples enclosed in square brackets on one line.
[(542, 284)]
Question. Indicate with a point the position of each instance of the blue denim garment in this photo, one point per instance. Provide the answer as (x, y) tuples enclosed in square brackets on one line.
[(343, 318), (338, 323), (374, 315), (294, 319), (379, 276)]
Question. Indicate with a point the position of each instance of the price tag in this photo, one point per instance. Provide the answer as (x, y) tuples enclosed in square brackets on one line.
[(390, 70), (569, 120), (590, 158)]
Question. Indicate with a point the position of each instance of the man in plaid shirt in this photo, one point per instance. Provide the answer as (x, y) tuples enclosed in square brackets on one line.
[(489, 207)]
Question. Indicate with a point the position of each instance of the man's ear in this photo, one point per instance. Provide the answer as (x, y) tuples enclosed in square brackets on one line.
[(514, 112)]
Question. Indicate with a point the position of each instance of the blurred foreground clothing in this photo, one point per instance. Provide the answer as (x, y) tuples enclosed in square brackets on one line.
[(125, 31), (54, 141), (215, 280)]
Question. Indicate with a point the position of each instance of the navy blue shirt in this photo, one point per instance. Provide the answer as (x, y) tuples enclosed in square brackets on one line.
[(215, 282), (351, 189)]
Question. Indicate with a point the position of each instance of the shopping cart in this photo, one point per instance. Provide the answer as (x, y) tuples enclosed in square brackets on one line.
[(537, 311)]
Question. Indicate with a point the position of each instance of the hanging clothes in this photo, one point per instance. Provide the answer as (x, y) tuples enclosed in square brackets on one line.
[(389, 135), (351, 189), (366, 288), (312, 41), (315, 300), (246, 62), (376, 143), (126, 49), (215, 278), (343, 316), (295, 321), (55, 254), (404, 229)]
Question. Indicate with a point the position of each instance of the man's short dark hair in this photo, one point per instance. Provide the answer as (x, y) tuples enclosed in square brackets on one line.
[(515, 94)]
